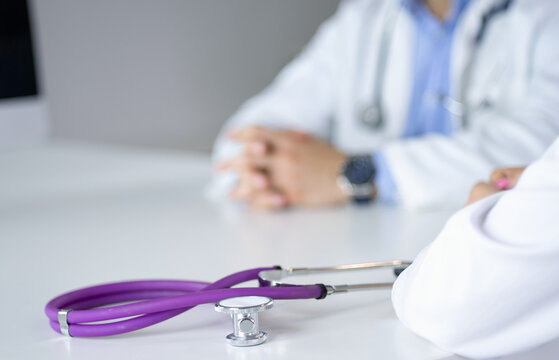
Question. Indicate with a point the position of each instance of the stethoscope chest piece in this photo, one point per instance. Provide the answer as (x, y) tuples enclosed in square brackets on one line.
[(244, 313), (371, 116)]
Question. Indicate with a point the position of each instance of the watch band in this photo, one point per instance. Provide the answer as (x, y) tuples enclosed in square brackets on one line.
[(363, 200), (360, 200)]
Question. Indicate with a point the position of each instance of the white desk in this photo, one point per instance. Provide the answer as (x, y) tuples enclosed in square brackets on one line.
[(73, 215)]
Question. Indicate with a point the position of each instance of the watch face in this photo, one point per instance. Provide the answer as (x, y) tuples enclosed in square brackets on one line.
[(360, 170)]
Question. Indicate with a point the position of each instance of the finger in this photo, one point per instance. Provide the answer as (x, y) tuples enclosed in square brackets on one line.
[(299, 134), (251, 133), (480, 191), (258, 148), (498, 175), (250, 183), (273, 138), (241, 191), (224, 165), (244, 163), (502, 184), (259, 180), (506, 178), (268, 200)]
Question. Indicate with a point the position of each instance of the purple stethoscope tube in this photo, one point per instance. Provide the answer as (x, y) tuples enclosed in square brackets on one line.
[(156, 301)]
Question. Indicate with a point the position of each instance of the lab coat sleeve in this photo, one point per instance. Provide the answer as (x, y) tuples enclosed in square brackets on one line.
[(487, 285), (301, 97), (437, 170)]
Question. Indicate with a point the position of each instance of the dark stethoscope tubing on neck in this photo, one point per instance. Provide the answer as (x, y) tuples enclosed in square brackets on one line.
[(372, 115)]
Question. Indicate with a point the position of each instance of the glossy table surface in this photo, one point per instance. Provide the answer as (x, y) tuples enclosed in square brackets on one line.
[(75, 214)]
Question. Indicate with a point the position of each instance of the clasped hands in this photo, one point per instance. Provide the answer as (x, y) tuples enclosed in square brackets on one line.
[(281, 168)]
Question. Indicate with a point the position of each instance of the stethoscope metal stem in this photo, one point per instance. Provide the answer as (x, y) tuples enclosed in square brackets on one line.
[(337, 289), (360, 266)]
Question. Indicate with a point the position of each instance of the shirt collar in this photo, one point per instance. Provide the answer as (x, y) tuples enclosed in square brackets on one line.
[(418, 9)]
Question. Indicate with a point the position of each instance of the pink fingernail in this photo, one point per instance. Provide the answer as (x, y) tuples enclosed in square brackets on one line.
[(502, 184)]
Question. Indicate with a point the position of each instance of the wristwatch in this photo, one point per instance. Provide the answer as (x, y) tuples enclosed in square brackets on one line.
[(357, 177)]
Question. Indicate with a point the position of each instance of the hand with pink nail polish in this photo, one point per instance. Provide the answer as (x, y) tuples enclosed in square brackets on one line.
[(506, 178), (501, 179)]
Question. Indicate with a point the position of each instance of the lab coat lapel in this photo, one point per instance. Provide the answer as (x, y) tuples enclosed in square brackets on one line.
[(484, 60), (397, 79), (399, 75)]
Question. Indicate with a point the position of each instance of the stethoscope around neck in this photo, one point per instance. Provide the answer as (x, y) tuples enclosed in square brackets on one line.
[(371, 114)]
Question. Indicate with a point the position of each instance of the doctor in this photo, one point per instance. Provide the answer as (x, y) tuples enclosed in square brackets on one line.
[(487, 286), (406, 101)]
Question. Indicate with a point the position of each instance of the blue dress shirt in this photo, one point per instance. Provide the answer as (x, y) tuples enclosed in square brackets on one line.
[(431, 80)]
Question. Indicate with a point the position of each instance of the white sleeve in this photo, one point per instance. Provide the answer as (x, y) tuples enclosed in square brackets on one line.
[(487, 286), (302, 96), (437, 170)]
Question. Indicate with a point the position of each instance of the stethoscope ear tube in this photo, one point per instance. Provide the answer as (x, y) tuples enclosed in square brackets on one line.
[(153, 301), (277, 277)]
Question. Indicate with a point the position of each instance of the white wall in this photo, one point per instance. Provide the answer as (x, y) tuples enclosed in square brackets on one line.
[(23, 122), (163, 72)]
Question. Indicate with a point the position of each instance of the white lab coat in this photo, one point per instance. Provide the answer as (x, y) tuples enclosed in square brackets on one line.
[(487, 286), (516, 73)]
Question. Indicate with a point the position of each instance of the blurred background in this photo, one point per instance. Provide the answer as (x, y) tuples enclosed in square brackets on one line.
[(164, 73)]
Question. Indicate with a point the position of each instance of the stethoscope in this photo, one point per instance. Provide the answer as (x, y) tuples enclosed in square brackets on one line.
[(133, 305), (371, 114)]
